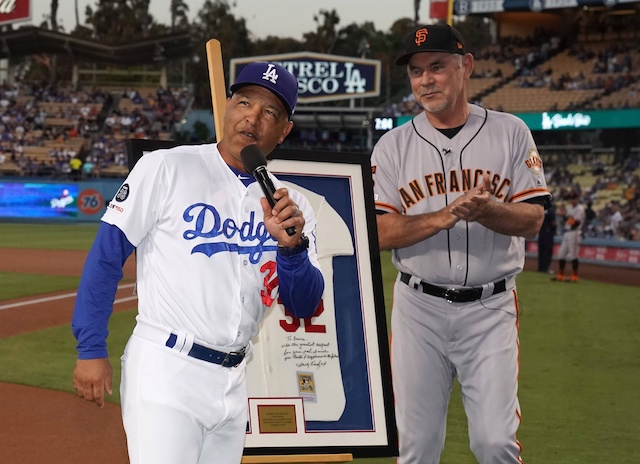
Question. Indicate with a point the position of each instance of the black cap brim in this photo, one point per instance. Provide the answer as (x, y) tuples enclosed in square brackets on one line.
[(404, 59)]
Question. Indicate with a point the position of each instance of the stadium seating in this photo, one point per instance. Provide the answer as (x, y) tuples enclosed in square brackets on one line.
[(96, 122)]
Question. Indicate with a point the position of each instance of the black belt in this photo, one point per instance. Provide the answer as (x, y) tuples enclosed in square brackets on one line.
[(454, 295), (213, 356)]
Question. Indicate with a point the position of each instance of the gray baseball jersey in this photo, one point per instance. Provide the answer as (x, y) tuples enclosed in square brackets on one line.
[(575, 214), (417, 169), (571, 238)]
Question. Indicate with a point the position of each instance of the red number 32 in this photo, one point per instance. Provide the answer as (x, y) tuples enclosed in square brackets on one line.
[(270, 283)]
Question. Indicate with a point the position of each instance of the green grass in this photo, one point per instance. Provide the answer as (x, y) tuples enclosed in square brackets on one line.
[(579, 377), (46, 358), (580, 371), (47, 236), (16, 285), (41, 237)]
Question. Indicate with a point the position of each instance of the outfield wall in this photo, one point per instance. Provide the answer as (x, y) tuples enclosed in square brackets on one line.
[(598, 251), (35, 199)]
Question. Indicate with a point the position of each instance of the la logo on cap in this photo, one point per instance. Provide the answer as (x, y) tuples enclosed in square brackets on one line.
[(421, 36), (270, 74)]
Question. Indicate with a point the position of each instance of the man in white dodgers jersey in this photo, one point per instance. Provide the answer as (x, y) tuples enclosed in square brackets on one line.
[(212, 257), (457, 190)]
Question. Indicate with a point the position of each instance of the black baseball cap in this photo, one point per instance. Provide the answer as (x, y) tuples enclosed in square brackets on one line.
[(432, 38)]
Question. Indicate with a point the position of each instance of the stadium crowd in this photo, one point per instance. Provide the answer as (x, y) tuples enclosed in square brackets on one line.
[(610, 193), (46, 126), (55, 131)]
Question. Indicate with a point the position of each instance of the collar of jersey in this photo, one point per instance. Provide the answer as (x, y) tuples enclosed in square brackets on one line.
[(245, 178)]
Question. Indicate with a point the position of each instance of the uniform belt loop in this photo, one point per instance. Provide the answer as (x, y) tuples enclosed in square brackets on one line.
[(414, 282), (176, 341), (188, 343), (488, 289)]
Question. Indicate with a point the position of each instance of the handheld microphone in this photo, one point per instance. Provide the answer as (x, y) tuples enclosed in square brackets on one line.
[(256, 163)]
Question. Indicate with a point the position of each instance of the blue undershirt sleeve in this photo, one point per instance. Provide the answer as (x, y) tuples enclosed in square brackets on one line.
[(301, 284), (98, 285)]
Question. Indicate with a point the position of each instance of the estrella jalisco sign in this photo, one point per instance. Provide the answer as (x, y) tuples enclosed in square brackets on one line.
[(323, 77)]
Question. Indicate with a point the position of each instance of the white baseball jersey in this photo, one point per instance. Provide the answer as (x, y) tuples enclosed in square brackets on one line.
[(417, 169), (198, 232), (293, 358)]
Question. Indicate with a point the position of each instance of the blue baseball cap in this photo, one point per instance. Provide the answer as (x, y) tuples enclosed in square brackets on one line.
[(271, 76)]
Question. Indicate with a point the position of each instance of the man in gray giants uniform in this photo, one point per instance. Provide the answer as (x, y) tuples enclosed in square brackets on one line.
[(457, 190)]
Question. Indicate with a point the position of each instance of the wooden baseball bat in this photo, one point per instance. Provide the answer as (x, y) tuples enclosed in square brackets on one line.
[(218, 86)]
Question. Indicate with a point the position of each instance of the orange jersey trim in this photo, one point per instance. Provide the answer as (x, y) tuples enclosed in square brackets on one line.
[(528, 193), (518, 414), (386, 207)]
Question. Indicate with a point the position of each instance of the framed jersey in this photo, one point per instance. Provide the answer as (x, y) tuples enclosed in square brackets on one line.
[(323, 384)]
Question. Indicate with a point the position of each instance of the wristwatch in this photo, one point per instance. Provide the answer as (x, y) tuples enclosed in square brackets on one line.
[(299, 248)]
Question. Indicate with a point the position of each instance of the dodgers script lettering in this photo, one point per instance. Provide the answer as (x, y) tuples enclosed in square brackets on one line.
[(208, 224)]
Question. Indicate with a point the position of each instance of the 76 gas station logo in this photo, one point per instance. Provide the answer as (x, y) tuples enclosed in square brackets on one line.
[(90, 202)]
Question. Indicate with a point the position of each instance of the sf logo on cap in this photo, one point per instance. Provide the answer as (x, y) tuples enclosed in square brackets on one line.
[(270, 74), (421, 36)]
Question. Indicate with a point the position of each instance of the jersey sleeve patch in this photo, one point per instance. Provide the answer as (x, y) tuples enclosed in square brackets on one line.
[(533, 161)]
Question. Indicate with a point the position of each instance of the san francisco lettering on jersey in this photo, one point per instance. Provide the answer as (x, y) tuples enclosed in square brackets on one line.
[(457, 182)]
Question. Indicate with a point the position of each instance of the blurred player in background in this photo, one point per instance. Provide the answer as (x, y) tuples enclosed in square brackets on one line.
[(574, 217)]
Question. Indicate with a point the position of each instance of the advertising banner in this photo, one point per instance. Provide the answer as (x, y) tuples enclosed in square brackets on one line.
[(14, 10), (323, 77)]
